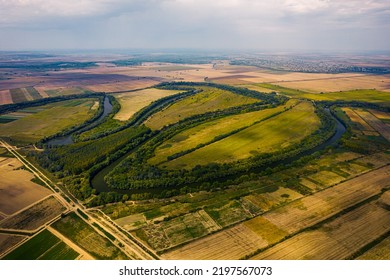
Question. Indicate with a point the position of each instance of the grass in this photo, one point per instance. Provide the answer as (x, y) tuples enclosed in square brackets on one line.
[(366, 95), (82, 234), (207, 132), (210, 99), (52, 119), (46, 246), (271, 135)]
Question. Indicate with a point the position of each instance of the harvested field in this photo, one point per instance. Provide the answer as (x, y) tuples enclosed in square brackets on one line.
[(375, 160), (8, 241), (83, 235), (314, 208), (5, 97), (35, 216), (131, 102), (380, 115), (337, 239), (356, 118), (273, 134), (376, 123), (123, 86), (229, 244), (207, 132), (343, 82), (16, 189), (326, 178), (210, 99), (44, 246), (378, 252)]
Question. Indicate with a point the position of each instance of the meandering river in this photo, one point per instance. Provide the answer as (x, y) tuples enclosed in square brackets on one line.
[(67, 139), (100, 185)]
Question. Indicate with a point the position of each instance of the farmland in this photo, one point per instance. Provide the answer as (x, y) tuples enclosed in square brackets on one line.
[(334, 240), (35, 216), (44, 246), (200, 158), (367, 95), (74, 228), (268, 136)]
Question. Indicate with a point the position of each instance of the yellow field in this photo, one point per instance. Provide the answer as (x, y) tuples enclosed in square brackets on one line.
[(229, 244), (335, 240), (342, 82), (380, 114), (16, 189), (314, 208), (376, 123), (379, 252), (356, 118), (131, 102)]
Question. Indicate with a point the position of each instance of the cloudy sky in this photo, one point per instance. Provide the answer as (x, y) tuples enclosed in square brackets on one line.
[(329, 25)]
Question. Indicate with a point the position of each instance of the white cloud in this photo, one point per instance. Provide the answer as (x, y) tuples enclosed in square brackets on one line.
[(195, 22)]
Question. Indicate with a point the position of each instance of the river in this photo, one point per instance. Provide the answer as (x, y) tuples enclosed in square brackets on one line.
[(67, 139), (100, 185)]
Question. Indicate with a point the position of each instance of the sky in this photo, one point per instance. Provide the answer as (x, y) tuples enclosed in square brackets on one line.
[(302, 25)]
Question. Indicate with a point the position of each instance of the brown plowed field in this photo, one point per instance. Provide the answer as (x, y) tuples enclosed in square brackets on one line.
[(16, 189)]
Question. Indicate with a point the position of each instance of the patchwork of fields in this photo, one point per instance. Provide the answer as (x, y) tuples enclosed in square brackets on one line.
[(278, 132), (332, 204)]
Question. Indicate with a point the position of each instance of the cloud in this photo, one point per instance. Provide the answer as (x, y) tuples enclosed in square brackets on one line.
[(196, 23)]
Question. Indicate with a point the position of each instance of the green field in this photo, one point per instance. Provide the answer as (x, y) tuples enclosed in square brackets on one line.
[(82, 234), (210, 99), (207, 132), (44, 246), (271, 135), (52, 119), (365, 95)]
